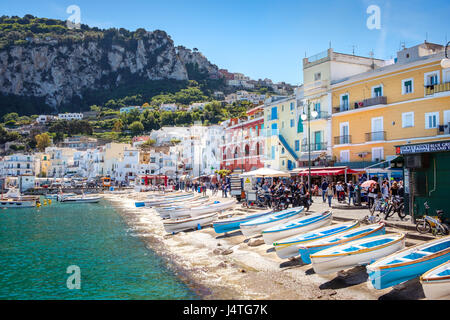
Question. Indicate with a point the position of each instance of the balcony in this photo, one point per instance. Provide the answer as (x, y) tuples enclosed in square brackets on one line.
[(322, 115), (443, 129), (321, 146), (376, 136), (343, 140), (382, 100), (436, 88)]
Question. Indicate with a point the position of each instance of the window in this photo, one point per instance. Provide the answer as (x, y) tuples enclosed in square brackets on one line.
[(317, 107), (282, 151), (431, 78), (431, 120), (282, 107), (317, 76), (377, 154), (274, 114), (345, 156), (297, 145), (377, 91), (282, 124), (344, 102), (292, 123), (407, 119), (407, 86), (273, 152), (292, 106)]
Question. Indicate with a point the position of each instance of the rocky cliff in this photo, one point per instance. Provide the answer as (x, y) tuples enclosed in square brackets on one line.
[(59, 70)]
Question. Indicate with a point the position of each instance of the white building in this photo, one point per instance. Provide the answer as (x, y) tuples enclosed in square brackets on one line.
[(197, 106), (18, 165), (42, 119), (70, 116), (164, 135), (126, 169), (211, 154), (168, 107), (61, 161)]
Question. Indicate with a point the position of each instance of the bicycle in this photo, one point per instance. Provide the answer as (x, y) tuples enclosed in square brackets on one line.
[(436, 225), (371, 218), (380, 204), (395, 205)]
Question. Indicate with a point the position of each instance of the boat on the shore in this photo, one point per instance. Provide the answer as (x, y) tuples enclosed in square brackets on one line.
[(409, 263), (232, 224), (82, 199), (164, 211), (167, 200), (256, 226), (288, 248), (202, 209), (297, 226), (177, 225), (353, 234), (436, 282), (355, 253)]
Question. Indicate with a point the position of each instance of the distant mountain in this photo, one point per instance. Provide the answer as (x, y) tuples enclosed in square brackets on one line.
[(44, 65)]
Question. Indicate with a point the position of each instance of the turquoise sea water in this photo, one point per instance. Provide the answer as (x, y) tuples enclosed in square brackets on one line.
[(37, 246)]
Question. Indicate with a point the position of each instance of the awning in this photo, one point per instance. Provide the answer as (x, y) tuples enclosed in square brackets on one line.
[(328, 171)]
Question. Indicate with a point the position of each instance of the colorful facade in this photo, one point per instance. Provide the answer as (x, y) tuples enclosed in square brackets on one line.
[(405, 102)]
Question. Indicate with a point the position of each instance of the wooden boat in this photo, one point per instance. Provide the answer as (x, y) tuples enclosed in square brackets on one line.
[(436, 282), (165, 194), (82, 199), (409, 263), (340, 238), (164, 212), (297, 226), (177, 225), (232, 224), (183, 202), (165, 201), (288, 248), (256, 226), (354, 253), (203, 209)]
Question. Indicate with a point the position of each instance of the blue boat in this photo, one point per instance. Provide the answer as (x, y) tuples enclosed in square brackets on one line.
[(409, 263), (353, 234), (288, 248), (228, 225)]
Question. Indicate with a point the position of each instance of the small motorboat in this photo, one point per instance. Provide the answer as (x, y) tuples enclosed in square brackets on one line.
[(82, 199), (232, 224), (177, 225), (353, 234), (297, 226), (203, 209), (355, 253), (409, 263), (256, 226), (62, 196), (10, 203), (288, 248), (436, 282)]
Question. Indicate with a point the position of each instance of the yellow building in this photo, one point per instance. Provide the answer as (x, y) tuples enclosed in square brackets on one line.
[(405, 102)]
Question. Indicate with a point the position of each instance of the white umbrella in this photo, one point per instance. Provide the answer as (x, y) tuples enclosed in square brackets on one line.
[(265, 172)]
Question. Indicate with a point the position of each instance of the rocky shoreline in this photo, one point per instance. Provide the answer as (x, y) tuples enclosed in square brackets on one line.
[(233, 267)]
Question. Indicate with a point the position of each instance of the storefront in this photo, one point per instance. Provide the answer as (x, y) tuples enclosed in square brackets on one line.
[(426, 176), (332, 174)]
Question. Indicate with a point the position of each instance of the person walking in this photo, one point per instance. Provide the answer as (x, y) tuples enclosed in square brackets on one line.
[(351, 192), (330, 193), (324, 188)]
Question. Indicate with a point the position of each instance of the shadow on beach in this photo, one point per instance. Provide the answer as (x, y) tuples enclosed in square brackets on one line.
[(229, 235), (350, 278), (410, 290)]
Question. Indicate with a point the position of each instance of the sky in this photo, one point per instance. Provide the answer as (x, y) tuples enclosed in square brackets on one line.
[(264, 38)]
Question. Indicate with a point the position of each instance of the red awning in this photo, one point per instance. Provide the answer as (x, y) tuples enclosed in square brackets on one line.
[(329, 171)]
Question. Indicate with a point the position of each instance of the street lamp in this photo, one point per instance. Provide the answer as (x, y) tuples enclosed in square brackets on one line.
[(445, 63), (310, 115)]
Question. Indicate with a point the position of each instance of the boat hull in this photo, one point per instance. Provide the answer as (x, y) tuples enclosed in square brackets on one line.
[(306, 251), (229, 225), (17, 204), (255, 229), (190, 223), (81, 200), (437, 290), (334, 263), (271, 237), (201, 210)]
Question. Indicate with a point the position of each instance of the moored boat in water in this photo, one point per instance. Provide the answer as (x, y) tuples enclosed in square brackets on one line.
[(436, 282), (82, 199), (353, 234), (355, 253), (297, 226), (409, 263), (288, 248)]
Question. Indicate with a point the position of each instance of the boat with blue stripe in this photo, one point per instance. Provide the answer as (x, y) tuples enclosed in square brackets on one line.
[(256, 226), (297, 226), (356, 253), (409, 263), (353, 234), (436, 282), (232, 224), (288, 248)]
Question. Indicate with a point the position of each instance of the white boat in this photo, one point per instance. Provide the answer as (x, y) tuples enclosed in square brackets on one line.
[(203, 209), (297, 226), (436, 282), (169, 201), (62, 196), (10, 203), (177, 225), (354, 253), (164, 212), (256, 226), (82, 199)]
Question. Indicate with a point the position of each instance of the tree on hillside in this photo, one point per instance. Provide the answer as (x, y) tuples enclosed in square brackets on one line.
[(118, 125), (42, 141), (136, 127)]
